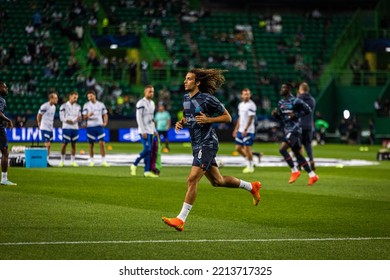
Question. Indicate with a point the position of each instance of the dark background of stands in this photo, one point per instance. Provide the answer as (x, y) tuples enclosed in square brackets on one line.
[(327, 57)]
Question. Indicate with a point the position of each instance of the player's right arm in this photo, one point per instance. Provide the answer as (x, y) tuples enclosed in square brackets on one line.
[(39, 119), (236, 127), (7, 120), (179, 125)]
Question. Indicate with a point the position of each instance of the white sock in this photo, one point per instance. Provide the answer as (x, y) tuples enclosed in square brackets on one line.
[(294, 169), (4, 176), (251, 164), (72, 158), (245, 185), (91, 159), (62, 157), (185, 210), (103, 159), (312, 174)]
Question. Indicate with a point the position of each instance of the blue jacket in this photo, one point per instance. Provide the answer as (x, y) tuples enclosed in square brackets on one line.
[(307, 122)]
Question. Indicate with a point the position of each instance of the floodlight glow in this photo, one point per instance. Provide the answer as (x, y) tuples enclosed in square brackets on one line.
[(114, 46), (346, 114)]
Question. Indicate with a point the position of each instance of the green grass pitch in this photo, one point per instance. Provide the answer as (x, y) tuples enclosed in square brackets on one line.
[(103, 213)]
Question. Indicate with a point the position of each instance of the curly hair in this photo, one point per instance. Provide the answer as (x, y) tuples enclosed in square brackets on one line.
[(210, 79)]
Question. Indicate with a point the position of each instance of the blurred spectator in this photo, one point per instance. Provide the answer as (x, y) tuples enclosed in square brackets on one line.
[(365, 68), (320, 128), (355, 67), (316, 14), (90, 83), (343, 130), (11, 53), (81, 81), (164, 96), (144, 72), (386, 107), (371, 126), (20, 121), (29, 28), (274, 24), (72, 67), (262, 64), (17, 88), (354, 131), (26, 59), (93, 24), (57, 18), (93, 60), (378, 107), (36, 19), (79, 31), (132, 68)]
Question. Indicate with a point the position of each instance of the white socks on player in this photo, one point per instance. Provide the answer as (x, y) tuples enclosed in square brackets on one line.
[(294, 169), (245, 185), (185, 210), (4, 176)]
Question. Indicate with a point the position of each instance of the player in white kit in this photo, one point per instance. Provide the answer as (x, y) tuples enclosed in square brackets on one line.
[(146, 129), (95, 113), (244, 131), (45, 120), (70, 116)]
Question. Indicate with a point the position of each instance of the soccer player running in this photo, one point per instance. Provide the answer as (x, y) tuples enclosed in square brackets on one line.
[(95, 113), (45, 121), (289, 111), (307, 122), (201, 111), (244, 131), (70, 116), (146, 129), (3, 136)]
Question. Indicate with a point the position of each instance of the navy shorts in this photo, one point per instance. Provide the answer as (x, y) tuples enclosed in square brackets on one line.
[(294, 141), (95, 132), (244, 141), (204, 158), (70, 135), (47, 135)]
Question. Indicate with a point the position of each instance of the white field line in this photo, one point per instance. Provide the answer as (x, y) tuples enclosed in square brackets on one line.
[(194, 241)]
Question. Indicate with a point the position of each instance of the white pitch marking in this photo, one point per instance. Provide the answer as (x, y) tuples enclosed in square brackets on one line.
[(195, 241)]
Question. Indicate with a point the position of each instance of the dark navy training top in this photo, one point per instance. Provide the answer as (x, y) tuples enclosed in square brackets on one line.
[(294, 105), (202, 135)]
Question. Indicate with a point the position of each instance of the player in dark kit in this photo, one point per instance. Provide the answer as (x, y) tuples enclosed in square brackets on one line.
[(3, 136), (201, 111), (289, 111), (307, 121)]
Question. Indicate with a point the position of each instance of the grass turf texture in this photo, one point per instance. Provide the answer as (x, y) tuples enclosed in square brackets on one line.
[(98, 204)]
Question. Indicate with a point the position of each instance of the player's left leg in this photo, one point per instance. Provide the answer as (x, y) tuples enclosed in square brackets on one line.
[(297, 150), (193, 179), (217, 180), (4, 160)]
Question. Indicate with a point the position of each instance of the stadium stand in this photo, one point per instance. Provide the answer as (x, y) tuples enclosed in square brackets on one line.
[(260, 49)]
